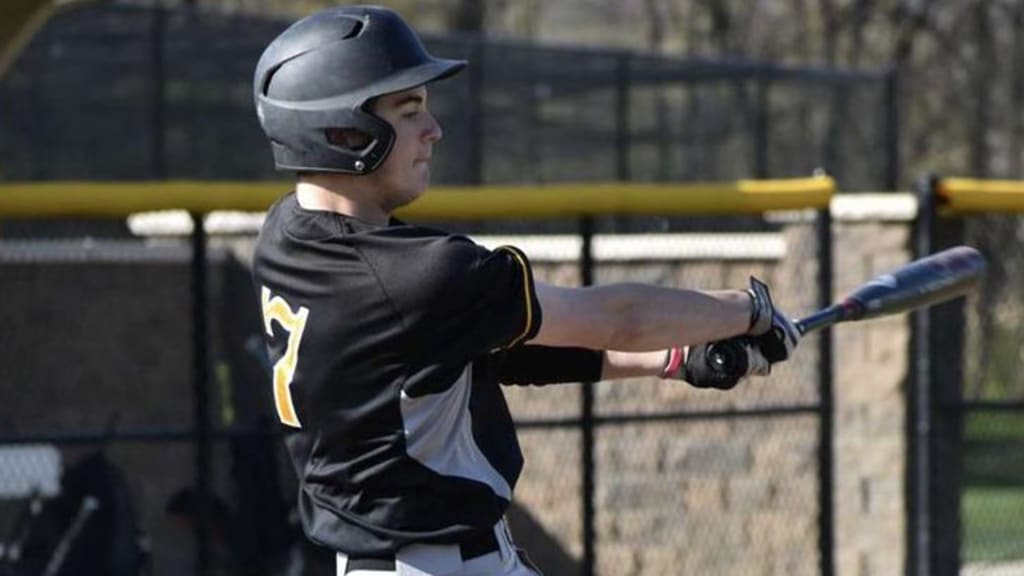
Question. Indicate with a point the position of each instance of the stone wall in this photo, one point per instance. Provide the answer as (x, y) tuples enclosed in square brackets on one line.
[(738, 495), (99, 337), (716, 496), (871, 360), (93, 338)]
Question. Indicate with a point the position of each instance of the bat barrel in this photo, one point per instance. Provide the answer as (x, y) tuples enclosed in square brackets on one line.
[(930, 280)]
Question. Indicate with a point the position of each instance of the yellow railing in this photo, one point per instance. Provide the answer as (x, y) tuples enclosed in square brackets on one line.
[(118, 199), (966, 196)]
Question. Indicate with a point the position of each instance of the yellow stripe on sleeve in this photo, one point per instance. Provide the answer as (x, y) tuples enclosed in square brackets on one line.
[(527, 291)]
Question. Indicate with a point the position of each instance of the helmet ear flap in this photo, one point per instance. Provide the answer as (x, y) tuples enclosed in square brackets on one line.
[(350, 139), (378, 136), (354, 143)]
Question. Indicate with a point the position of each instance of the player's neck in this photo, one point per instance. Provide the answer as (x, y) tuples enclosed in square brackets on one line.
[(342, 195)]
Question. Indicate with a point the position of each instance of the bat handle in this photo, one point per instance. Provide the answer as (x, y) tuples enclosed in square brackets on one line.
[(726, 356), (848, 309), (801, 326)]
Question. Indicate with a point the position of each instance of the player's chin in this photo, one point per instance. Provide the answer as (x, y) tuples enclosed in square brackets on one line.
[(419, 184), (411, 192)]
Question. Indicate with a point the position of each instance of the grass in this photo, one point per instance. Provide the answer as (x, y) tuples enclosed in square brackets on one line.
[(993, 523), (992, 506)]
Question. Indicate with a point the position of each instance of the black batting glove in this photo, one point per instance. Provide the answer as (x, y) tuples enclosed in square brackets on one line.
[(770, 338), (719, 365)]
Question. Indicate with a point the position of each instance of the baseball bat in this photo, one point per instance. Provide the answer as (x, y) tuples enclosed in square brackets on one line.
[(930, 280)]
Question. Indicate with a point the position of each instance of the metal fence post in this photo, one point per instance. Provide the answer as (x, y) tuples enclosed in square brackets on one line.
[(476, 157), (761, 130), (935, 410), (891, 129), (826, 485), (834, 134), (587, 413), (157, 72), (918, 413), (587, 436), (622, 126), (200, 396)]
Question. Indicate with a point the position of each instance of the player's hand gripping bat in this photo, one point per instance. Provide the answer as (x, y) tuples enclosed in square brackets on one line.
[(930, 280)]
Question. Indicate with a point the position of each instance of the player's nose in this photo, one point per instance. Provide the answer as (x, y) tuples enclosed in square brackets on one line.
[(433, 132)]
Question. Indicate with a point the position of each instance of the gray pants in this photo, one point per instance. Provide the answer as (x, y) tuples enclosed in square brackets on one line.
[(446, 560)]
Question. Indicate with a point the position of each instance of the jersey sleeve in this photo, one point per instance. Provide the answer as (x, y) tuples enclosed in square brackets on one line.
[(539, 365), (458, 300), (511, 268)]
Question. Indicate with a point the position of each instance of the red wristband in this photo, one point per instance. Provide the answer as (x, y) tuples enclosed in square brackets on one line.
[(673, 360)]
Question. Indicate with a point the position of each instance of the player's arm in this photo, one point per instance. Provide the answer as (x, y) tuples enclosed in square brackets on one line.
[(638, 317), (691, 364), (539, 365), (617, 365), (640, 323)]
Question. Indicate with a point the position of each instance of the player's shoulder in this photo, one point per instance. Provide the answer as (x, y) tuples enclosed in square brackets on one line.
[(420, 251), (448, 252)]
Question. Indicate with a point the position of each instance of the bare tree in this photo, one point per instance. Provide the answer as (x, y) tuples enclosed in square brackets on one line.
[(831, 23), (468, 16), (858, 23)]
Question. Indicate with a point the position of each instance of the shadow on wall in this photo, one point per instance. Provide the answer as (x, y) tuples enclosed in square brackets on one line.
[(543, 549)]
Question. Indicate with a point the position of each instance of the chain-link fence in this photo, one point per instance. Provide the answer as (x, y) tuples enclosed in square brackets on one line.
[(98, 385), (99, 365), (122, 92), (683, 478), (964, 481), (992, 502)]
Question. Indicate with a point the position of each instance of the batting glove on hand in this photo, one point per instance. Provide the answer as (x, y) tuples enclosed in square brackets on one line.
[(720, 365), (771, 331), (771, 338)]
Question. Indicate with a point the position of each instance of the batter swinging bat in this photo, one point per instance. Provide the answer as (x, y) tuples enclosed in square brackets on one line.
[(942, 276)]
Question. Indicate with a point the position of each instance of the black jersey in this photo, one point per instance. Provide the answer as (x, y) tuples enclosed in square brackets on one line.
[(387, 344)]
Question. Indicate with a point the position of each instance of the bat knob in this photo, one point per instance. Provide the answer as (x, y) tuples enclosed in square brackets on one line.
[(727, 357)]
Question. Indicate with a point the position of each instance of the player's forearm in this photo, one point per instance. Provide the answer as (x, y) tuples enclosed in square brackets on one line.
[(638, 317), (617, 364), (648, 318)]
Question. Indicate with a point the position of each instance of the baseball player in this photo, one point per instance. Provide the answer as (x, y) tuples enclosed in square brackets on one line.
[(389, 340)]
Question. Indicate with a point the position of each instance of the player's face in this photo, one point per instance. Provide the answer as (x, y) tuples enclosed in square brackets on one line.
[(405, 174)]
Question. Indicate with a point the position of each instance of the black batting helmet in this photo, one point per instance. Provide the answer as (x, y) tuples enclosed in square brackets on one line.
[(319, 74)]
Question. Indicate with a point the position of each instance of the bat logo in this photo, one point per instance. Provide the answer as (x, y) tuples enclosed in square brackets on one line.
[(886, 281)]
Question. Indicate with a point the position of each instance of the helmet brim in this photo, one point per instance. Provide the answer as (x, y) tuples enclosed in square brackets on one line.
[(430, 71)]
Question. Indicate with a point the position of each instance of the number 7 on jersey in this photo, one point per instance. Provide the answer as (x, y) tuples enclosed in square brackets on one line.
[(294, 323)]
